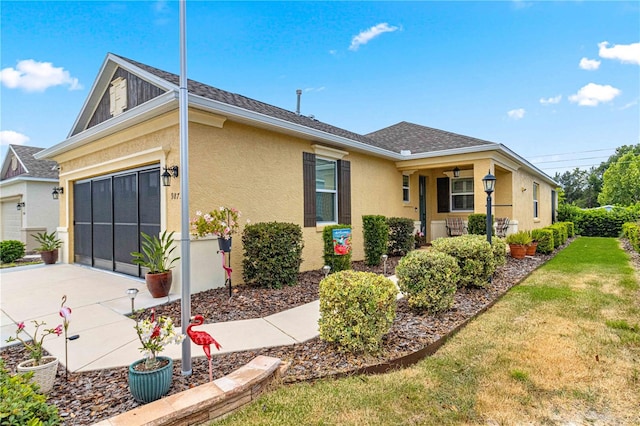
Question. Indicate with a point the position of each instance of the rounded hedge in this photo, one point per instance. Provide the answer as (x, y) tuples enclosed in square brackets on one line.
[(356, 310), (428, 280), (475, 257), (11, 250)]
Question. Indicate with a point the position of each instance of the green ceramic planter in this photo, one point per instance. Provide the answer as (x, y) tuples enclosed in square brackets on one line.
[(148, 386)]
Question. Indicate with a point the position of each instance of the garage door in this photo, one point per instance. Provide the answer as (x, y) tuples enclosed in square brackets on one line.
[(11, 221), (109, 214)]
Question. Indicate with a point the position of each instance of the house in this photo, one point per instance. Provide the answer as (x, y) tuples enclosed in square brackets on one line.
[(270, 163), (26, 186)]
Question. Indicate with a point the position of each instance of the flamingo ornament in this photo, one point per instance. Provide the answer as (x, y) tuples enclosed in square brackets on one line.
[(202, 338)]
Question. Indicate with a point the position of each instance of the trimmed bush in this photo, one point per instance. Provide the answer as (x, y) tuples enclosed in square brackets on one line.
[(20, 402), (11, 250), (601, 223), (544, 237), (428, 280), (570, 228), (475, 257), (376, 237), (337, 262), (401, 239), (563, 231), (272, 254), (356, 310), (477, 224), (499, 248), (556, 235), (631, 231)]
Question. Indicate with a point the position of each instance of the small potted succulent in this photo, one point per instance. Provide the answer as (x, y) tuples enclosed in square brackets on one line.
[(156, 257), (49, 246), (518, 243), (150, 377)]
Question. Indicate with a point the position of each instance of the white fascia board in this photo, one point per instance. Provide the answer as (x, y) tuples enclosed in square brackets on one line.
[(17, 179), (528, 165), (152, 108)]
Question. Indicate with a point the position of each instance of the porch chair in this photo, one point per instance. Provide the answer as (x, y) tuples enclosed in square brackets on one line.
[(502, 225), (455, 226)]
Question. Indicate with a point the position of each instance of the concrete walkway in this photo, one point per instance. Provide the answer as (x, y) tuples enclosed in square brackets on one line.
[(107, 337)]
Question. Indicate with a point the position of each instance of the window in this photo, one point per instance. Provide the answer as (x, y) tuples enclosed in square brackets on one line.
[(326, 191), (462, 194), (405, 188), (536, 189)]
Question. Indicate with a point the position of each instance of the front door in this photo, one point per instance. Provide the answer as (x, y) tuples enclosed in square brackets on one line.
[(109, 213)]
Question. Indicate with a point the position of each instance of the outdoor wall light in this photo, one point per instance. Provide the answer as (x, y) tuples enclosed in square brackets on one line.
[(326, 269), (56, 191), (20, 206), (168, 173), (384, 261), (456, 172), (132, 293)]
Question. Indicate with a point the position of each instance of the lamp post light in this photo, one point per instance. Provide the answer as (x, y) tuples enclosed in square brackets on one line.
[(326, 269), (489, 182), (384, 261), (132, 293)]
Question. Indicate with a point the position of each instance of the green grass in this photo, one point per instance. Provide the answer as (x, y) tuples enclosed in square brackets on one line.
[(558, 347)]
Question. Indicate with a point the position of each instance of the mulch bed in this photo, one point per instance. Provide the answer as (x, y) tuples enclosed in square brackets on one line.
[(86, 398)]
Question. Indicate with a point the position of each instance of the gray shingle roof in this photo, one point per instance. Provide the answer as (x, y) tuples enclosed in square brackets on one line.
[(47, 169), (419, 139), (401, 136)]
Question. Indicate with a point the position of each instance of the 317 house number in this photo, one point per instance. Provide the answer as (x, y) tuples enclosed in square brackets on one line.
[(175, 195)]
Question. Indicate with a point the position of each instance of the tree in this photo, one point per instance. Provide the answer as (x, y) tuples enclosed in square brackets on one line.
[(621, 181)]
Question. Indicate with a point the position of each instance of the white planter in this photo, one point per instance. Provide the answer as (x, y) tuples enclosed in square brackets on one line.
[(44, 374)]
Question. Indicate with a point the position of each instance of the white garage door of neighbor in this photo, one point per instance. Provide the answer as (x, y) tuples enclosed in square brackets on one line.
[(11, 221)]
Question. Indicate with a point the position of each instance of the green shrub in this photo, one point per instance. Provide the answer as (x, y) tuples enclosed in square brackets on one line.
[(272, 254), (401, 239), (631, 231), (477, 224), (475, 257), (544, 237), (569, 212), (499, 247), (337, 262), (356, 310), (11, 250), (601, 223), (570, 228), (428, 280), (520, 237), (376, 236), (562, 232), (556, 235), (21, 404)]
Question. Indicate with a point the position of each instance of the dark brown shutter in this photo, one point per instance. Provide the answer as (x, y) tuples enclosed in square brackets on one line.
[(309, 182), (443, 195), (344, 192)]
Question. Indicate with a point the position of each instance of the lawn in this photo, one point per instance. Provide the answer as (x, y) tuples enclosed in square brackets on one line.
[(560, 348)]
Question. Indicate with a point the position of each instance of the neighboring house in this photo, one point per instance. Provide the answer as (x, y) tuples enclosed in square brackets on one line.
[(271, 164), (26, 185)]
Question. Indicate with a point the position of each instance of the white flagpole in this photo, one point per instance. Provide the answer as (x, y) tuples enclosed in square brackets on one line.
[(185, 265)]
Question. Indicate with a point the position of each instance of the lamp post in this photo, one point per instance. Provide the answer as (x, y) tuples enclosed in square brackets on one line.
[(326, 269), (384, 261), (132, 293), (489, 182)]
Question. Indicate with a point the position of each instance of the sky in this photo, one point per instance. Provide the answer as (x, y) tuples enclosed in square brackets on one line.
[(556, 82)]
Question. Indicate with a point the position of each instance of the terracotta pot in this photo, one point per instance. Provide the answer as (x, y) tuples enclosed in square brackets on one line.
[(531, 248), (518, 251), (44, 374), (159, 285), (49, 257)]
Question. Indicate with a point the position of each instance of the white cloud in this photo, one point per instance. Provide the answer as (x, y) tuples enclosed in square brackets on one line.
[(33, 76), (589, 64), (367, 35), (333, 52), (516, 114), (8, 137), (551, 101), (592, 94), (314, 89), (629, 105), (520, 4), (625, 53)]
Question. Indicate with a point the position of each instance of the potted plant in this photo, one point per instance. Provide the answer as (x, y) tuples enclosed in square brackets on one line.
[(49, 246), (156, 257), (518, 242), (44, 368), (222, 223), (533, 245), (150, 377)]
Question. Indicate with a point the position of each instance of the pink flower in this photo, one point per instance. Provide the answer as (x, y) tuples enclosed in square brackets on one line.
[(65, 312), (58, 329), (21, 326)]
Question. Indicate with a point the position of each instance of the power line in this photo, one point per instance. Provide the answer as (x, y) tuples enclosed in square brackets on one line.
[(571, 159), (577, 152)]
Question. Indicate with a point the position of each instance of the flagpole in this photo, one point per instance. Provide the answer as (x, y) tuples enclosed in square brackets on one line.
[(185, 265)]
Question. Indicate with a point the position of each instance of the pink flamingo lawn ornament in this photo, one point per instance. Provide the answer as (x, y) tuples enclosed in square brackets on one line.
[(202, 338)]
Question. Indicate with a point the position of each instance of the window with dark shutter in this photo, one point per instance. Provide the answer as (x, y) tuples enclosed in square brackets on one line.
[(344, 192), (309, 183), (443, 195)]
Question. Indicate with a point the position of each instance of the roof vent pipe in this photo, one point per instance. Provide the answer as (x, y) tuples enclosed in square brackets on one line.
[(299, 93)]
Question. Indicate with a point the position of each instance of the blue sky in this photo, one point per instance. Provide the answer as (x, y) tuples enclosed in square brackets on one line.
[(551, 80)]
